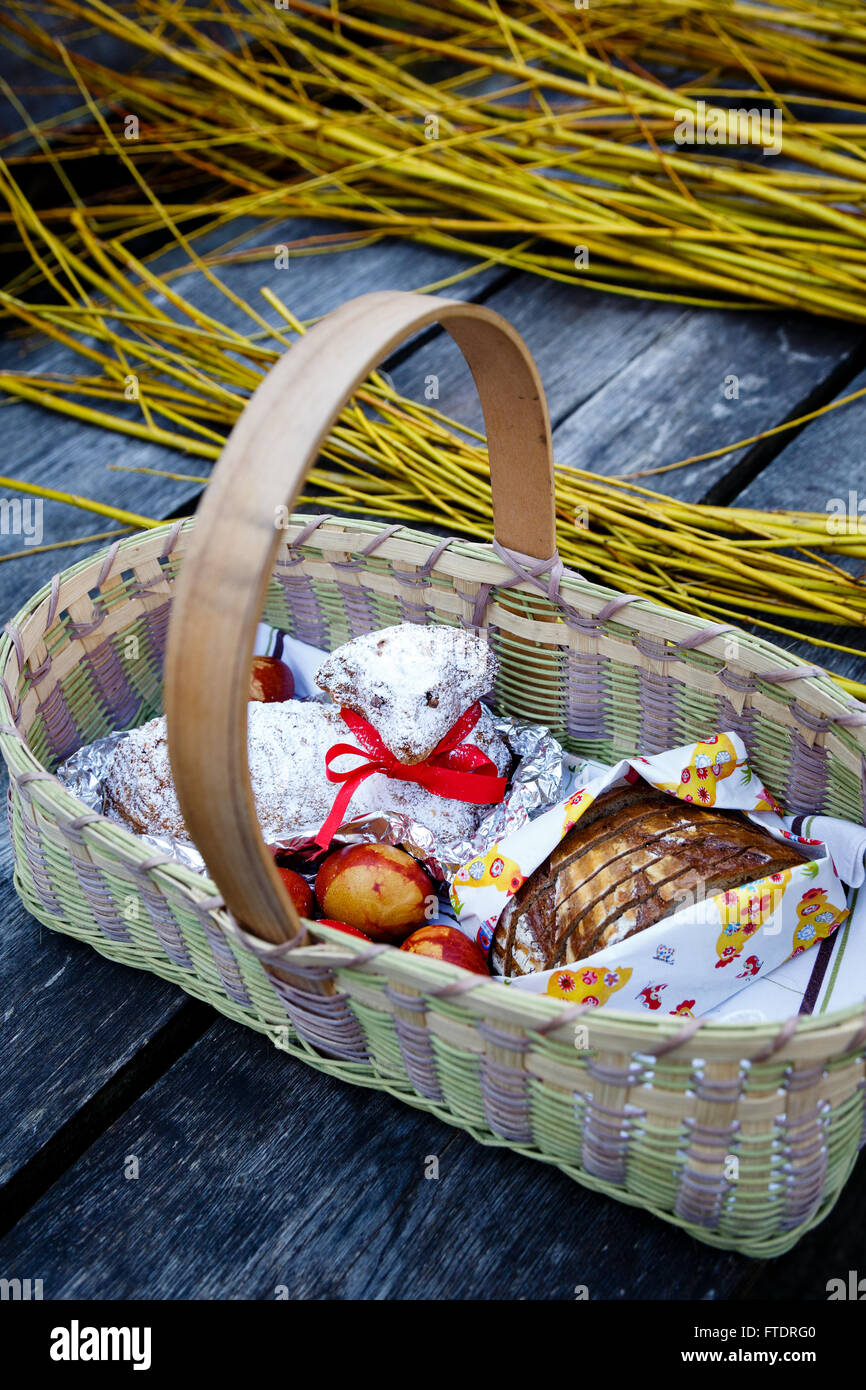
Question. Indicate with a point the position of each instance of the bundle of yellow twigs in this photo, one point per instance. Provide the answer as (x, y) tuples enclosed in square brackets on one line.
[(547, 133)]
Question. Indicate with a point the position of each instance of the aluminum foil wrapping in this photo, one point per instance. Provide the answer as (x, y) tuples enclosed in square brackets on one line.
[(542, 776)]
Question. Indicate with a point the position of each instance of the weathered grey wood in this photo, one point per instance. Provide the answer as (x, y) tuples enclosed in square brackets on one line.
[(257, 1172), (825, 460), (630, 384), (821, 469), (633, 386), (670, 403), (581, 340), (629, 388), (70, 1019), (350, 1159)]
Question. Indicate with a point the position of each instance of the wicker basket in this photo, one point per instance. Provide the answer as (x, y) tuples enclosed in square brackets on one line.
[(650, 1111)]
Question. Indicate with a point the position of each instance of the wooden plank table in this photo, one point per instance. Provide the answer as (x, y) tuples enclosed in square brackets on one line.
[(256, 1174)]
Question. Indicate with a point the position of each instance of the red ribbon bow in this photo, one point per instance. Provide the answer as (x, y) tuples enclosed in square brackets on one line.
[(454, 769)]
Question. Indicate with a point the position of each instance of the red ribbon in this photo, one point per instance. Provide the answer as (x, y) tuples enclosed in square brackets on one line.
[(454, 769)]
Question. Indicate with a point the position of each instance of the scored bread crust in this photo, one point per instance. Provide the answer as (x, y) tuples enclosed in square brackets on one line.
[(613, 808), (626, 865), (608, 829)]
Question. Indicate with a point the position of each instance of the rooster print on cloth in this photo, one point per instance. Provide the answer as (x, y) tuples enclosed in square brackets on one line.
[(712, 760), (710, 763), (574, 808)]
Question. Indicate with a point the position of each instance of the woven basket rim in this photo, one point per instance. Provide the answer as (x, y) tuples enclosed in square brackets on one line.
[(418, 971)]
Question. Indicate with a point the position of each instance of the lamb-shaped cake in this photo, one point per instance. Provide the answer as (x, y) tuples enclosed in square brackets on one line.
[(411, 683)]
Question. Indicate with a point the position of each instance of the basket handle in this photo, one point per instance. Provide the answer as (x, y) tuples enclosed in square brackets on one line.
[(221, 589)]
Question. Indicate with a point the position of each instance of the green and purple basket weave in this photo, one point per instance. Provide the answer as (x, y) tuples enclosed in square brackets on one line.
[(647, 1110), (652, 1110)]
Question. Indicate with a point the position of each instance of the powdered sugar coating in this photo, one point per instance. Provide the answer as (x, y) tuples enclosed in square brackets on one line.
[(139, 788), (410, 681), (287, 744)]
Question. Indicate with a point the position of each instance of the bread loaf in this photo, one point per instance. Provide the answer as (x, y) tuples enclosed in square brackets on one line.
[(629, 862)]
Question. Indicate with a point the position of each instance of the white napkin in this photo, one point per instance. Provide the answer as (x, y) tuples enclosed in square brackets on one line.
[(303, 659), (833, 974), (846, 842)]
